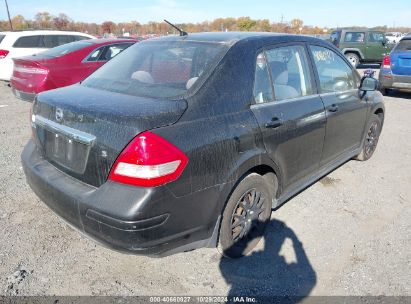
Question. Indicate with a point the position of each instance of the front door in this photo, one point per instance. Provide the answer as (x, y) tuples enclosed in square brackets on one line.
[(376, 47), (289, 111), (345, 110)]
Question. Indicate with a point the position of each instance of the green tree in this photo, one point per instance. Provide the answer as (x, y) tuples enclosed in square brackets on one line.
[(246, 24)]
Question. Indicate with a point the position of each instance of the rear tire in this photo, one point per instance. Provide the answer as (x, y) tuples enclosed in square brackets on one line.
[(353, 58), (245, 216), (371, 138)]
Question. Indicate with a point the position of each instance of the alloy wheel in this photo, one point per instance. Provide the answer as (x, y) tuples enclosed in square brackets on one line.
[(247, 215)]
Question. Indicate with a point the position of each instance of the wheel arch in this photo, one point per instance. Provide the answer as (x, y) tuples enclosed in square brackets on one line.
[(355, 51), (260, 164)]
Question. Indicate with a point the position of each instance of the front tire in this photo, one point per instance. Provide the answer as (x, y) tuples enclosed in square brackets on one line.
[(245, 216), (371, 138), (353, 59)]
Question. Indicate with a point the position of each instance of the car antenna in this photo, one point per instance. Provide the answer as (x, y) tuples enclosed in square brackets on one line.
[(182, 33)]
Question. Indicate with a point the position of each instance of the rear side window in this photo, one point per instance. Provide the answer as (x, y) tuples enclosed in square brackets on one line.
[(113, 50), (34, 41), (354, 37), (79, 38), (95, 54), (334, 73), (2, 37), (403, 45), (51, 41)]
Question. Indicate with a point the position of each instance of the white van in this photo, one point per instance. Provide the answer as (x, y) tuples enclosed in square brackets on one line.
[(25, 43)]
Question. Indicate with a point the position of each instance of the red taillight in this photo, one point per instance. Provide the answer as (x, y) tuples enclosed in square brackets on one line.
[(386, 62), (148, 161), (3, 53)]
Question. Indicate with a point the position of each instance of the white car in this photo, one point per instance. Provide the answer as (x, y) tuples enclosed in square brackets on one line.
[(25, 43), (394, 37)]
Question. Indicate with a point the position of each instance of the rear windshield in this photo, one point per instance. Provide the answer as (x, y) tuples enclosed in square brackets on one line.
[(65, 49), (2, 37), (158, 69), (403, 45)]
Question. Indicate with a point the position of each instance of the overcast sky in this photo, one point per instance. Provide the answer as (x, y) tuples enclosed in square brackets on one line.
[(330, 13)]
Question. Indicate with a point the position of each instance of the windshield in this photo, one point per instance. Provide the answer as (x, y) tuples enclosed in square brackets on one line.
[(158, 69), (65, 49), (403, 45)]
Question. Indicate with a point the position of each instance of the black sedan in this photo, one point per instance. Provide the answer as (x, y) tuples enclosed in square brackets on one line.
[(187, 142)]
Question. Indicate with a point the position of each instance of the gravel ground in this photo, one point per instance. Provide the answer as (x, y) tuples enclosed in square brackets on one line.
[(348, 234)]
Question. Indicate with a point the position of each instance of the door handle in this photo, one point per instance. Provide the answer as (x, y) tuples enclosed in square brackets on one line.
[(274, 123), (333, 108)]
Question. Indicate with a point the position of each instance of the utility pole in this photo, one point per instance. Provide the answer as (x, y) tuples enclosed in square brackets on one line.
[(8, 14)]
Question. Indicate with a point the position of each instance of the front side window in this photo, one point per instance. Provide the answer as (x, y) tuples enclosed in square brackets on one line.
[(34, 41), (158, 69), (335, 37), (376, 37), (290, 72), (354, 37), (334, 73), (263, 91)]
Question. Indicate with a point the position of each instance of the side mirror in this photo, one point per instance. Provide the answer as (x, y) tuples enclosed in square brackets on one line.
[(384, 41), (368, 84)]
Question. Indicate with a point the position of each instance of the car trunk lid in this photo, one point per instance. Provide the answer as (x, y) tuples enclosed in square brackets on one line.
[(82, 130)]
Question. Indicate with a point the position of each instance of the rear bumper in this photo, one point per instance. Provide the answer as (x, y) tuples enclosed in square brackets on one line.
[(23, 95), (389, 80), (121, 217)]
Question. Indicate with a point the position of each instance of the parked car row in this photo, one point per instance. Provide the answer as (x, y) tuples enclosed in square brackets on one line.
[(361, 46), (63, 65), (365, 46), (23, 43), (395, 72), (394, 37)]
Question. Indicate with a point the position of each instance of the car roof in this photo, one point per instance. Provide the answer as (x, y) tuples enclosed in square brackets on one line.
[(231, 38), (43, 32)]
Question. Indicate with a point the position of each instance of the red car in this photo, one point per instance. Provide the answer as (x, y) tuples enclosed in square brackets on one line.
[(63, 65)]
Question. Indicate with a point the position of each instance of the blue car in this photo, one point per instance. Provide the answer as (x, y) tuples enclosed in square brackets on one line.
[(395, 70)]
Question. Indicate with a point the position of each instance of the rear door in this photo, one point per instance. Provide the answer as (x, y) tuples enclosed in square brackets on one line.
[(401, 58), (345, 110), (289, 111), (376, 46)]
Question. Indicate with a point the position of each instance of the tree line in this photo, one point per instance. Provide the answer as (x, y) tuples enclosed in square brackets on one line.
[(45, 20)]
